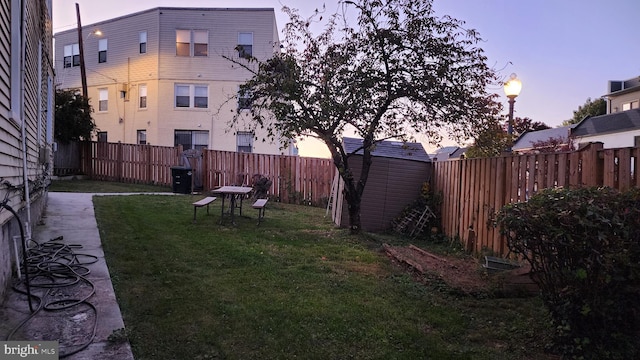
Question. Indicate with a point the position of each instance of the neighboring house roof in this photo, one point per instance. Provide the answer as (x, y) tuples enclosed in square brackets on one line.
[(610, 123), (449, 152), (458, 153), (526, 140), (390, 149)]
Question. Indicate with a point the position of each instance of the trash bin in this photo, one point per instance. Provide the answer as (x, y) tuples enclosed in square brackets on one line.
[(181, 179)]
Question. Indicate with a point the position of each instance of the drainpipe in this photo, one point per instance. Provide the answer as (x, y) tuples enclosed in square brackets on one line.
[(25, 169)]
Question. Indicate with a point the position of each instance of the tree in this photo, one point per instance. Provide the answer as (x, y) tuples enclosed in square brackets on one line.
[(73, 120), (553, 144), (400, 69), (522, 125), (590, 108), (494, 139)]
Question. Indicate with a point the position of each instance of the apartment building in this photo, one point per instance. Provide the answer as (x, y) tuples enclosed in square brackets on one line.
[(160, 76)]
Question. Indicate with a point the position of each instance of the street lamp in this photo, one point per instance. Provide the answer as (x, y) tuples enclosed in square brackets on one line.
[(512, 89)]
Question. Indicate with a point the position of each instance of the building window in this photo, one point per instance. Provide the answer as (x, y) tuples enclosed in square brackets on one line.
[(183, 41), (192, 43), (143, 42), (245, 45), (102, 136), (182, 96), (200, 43), (244, 100), (201, 96), (71, 55), (630, 105), (191, 139), (102, 50), (142, 92), (103, 99), (192, 96), (142, 137), (244, 141)]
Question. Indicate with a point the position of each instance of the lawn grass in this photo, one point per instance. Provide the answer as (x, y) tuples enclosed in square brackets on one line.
[(293, 287), (92, 186)]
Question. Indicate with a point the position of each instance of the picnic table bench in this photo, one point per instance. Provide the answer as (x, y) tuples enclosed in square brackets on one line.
[(200, 203), (259, 204)]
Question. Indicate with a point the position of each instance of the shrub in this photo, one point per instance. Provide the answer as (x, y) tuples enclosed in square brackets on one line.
[(584, 249)]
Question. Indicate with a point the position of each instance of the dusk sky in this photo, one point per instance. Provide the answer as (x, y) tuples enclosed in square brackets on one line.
[(563, 51)]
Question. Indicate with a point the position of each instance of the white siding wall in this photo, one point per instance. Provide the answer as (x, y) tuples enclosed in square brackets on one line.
[(617, 140)]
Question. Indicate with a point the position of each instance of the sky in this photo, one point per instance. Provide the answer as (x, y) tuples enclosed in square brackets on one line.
[(563, 51)]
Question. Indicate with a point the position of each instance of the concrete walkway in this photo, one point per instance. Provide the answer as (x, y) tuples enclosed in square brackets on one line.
[(71, 215)]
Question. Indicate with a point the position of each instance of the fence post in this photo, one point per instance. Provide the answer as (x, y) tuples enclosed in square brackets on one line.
[(87, 167), (592, 165), (206, 176)]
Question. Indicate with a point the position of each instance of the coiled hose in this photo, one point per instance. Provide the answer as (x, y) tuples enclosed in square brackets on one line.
[(53, 265)]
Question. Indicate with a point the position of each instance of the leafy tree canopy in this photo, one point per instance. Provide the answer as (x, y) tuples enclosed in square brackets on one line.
[(494, 139), (73, 120), (522, 125), (590, 108), (399, 69)]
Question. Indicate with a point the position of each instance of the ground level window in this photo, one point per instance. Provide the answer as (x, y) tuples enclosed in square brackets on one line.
[(142, 137), (244, 141), (191, 139)]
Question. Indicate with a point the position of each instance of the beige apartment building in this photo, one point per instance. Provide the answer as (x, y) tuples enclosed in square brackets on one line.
[(160, 76)]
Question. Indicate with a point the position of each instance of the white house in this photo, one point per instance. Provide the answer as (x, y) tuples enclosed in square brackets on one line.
[(619, 129), (160, 76), (26, 121)]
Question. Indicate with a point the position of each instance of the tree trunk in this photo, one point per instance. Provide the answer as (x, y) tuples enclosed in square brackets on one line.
[(353, 205)]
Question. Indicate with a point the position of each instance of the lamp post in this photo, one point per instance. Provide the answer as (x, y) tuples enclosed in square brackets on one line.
[(512, 89)]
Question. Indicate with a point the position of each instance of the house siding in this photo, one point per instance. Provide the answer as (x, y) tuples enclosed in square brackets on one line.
[(33, 89), (611, 141), (618, 100), (161, 69)]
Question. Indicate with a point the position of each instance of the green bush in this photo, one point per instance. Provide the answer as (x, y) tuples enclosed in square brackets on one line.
[(584, 249)]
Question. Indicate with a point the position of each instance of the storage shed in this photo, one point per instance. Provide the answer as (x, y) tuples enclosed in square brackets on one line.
[(398, 171)]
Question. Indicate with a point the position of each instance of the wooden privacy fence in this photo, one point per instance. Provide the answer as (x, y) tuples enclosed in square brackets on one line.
[(295, 179), (66, 159), (474, 190)]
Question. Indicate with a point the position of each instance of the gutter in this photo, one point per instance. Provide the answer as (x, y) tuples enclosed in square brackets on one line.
[(25, 169)]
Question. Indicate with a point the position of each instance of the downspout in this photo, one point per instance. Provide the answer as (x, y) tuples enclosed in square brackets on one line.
[(23, 47)]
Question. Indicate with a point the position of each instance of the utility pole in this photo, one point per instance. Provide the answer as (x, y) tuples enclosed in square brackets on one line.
[(83, 70)]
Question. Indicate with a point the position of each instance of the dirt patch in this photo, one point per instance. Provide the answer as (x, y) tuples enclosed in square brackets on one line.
[(464, 274)]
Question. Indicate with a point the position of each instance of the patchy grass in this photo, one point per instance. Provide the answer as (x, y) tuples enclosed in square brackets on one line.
[(293, 287)]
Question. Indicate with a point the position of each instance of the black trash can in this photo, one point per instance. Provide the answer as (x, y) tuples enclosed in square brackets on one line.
[(181, 179)]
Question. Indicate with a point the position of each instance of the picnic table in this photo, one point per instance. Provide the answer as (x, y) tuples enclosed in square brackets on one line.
[(234, 193)]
